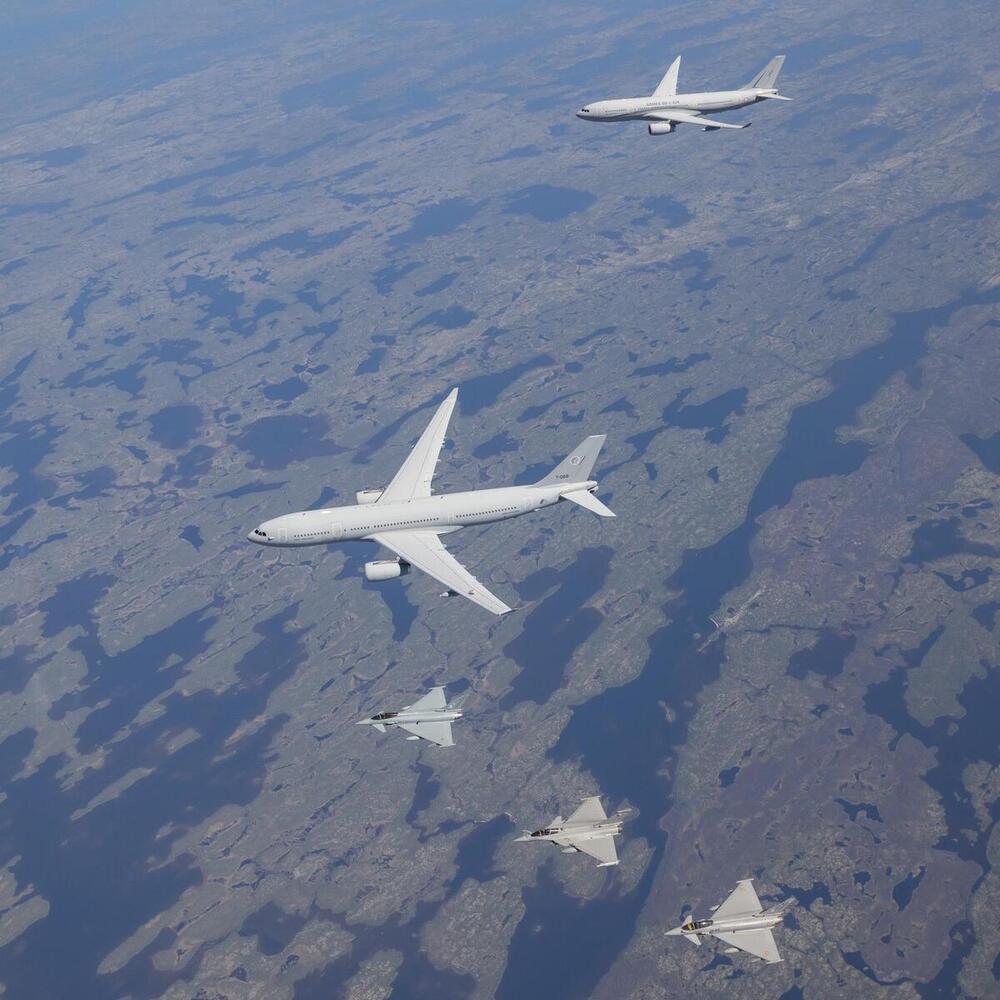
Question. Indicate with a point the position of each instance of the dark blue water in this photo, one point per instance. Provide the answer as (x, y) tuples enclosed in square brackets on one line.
[(437, 286), (855, 809), (299, 243), (277, 441), (986, 449), (286, 391), (548, 202), (671, 365), (826, 658), (902, 892), (175, 426), (192, 534), (452, 318), (108, 871), (622, 738), (556, 627), (439, 219)]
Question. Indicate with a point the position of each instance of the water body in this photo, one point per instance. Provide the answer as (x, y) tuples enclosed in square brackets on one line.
[(671, 366), (986, 449), (299, 243), (855, 809), (630, 761), (826, 658), (902, 892), (277, 441), (548, 202), (557, 627), (107, 872), (175, 426), (439, 219), (286, 391), (668, 211), (248, 488), (452, 318), (482, 391), (192, 533), (496, 445), (436, 286)]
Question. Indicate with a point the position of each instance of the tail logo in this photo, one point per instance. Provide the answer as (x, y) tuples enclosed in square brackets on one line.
[(575, 460)]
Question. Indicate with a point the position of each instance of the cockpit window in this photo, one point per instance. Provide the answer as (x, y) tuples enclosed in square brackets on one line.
[(543, 833), (262, 534), (385, 715)]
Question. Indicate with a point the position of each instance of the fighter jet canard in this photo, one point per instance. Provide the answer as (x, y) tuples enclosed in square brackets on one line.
[(408, 520), (665, 109), (588, 830), (429, 718), (740, 922)]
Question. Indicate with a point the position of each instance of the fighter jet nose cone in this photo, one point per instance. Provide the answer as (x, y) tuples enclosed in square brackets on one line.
[(674, 933)]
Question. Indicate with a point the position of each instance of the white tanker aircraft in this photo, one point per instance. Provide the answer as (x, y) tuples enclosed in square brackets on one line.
[(665, 109), (408, 520)]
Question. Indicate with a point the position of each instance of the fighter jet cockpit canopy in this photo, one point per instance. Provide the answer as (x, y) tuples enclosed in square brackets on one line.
[(544, 833), (382, 716), (697, 925)]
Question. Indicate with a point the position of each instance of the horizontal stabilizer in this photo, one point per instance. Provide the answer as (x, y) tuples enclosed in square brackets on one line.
[(586, 499), (378, 726)]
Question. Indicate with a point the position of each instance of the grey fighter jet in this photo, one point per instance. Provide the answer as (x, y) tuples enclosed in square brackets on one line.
[(588, 830), (740, 922), (429, 718)]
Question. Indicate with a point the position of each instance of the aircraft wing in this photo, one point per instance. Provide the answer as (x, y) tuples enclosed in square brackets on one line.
[(589, 811), (601, 848), (758, 942), (741, 902), (691, 118), (438, 733), (424, 550), (415, 474), (667, 87), (433, 700)]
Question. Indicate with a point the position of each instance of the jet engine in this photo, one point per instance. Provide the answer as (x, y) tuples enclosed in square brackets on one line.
[(368, 496), (660, 128), (385, 569)]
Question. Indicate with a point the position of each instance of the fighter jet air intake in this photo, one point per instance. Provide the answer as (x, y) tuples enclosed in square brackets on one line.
[(408, 521), (665, 109), (740, 922), (429, 718), (588, 830)]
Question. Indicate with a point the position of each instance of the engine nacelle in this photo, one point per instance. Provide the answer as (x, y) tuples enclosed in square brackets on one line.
[(660, 128), (385, 569), (368, 496)]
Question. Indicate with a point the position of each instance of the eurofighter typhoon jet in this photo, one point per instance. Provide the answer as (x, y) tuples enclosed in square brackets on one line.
[(740, 922), (588, 830), (665, 109), (408, 520), (429, 718)]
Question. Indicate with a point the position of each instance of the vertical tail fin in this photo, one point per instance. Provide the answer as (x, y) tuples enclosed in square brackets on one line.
[(577, 466), (768, 76)]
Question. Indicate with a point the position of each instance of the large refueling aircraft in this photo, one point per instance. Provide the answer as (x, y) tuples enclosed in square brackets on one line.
[(665, 109), (408, 520)]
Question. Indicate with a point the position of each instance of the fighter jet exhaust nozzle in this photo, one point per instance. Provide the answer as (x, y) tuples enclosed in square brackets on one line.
[(385, 569), (660, 128)]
